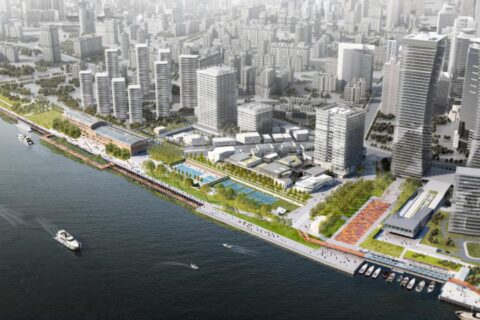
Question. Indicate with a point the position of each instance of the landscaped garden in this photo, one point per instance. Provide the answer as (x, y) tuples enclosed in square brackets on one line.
[(437, 236), (166, 152), (117, 152), (380, 246), (473, 249), (45, 119), (432, 260)]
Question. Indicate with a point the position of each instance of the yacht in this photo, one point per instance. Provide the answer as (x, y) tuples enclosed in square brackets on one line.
[(369, 271), (228, 246), (464, 315), (411, 284), (363, 269), (67, 240), (193, 266), (420, 286), (26, 140), (431, 287), (391, 277), (376, 273), (404, 282)]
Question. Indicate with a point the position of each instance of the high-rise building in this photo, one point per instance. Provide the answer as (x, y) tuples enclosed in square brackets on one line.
[(390, 86), (255, 117), (467, 7), (477, 16), (166, 55), (325, 83), (120, 109), (87, 46), (86, 17), (163, 88), (50, 43), (339, 132), (86, 88), (465, 216), (188, 65), (420, 66), (394, 10), (143, 67), (111, 32), (468, 111), (446, 18), (247, 80), (102, 84), (217, 97), (125, 45), (355, 60), (111, 63), (135, 103), (458, 61)]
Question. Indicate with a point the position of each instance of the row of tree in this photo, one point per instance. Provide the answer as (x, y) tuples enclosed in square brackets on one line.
[(66, 127), (117, 152)]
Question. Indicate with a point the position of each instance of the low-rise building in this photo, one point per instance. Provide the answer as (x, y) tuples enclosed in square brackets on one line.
[(223, 142), (220, 154), (300, 135), (248, 138), (313, 183), (256, 117), (195, 140)]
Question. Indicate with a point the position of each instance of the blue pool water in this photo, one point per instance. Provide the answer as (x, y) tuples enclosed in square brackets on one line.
[(194, 173), (251, 193)]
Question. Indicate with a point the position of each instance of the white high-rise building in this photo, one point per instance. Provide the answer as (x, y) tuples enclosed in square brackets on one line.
[(477, 16), (465, 216), (458, 61), (255, 117), (394, 10), (468, 111), (166, 55), (446, 18), (111, 63), (217, 97), (135, 102), (120, 109), (355, 60), (391, 75), (391, 50), (125, 45), (86, 88), (188, 65), (143, 67), (163, 88), (50, 43), (339, 133), (420, 67), (111, 33), (86, 17), (102, 84)]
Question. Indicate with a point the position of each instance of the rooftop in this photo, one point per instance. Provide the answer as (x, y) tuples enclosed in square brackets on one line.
[(216, 71), (119, 135)]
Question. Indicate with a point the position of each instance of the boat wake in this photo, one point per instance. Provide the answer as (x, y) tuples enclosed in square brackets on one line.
[(171, 263), (242, 250), (46, 225), (12, 217)]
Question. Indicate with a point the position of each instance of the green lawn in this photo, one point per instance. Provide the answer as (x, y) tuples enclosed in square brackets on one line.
[(166, 152), (381, 247), (438, 241), (408, 188), (432, 260), (45, 119), (473, 249)]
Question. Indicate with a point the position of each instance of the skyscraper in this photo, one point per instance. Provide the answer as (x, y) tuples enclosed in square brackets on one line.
[(102, 84), (458, 61), (355, 61), (86, 17), (111, 63), (143, 67), (468, 111), (166, 55), (217, 97), (125, 45), (446, 18), (135, 103), (163, 88), (420, 66), (339, 132), (394, 10), (111, 32), (188, 65), (86, 88), (50, 43), (465, 216), (120, 109)]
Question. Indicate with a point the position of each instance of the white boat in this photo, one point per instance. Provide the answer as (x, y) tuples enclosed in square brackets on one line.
[(67, 240), (228, 246), (464, 315), (391, 277), (26, 140), (369, 271), (193, 266), (420, 286), (411, 284), (376, 273), (431, 287), (363, 269), (404, 282)]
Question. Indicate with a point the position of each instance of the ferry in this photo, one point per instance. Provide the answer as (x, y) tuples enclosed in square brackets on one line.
[(228, 246), (431, 287), (363, 269), (26, 140), (193, 266), (420, 286), (67, 240), (411, 284), (369, 271), (376, 273), (391, 277), (404, 282), (464, 315)]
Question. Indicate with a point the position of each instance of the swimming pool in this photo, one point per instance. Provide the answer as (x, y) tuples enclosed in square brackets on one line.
[(195, 173)]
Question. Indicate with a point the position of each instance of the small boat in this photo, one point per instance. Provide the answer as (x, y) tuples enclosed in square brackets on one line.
[(404, 282), (228, 246), (391, 277), (376, 273), (411, 284), (369, 271), (420, 286), (464, 315), (67, 240), (363, 269), (400, 277), (193, 266), (385, 274), (23, 138), (431, 287)]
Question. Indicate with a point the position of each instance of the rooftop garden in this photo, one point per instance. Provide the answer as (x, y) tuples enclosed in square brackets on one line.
[(432, 260), (408, 187)]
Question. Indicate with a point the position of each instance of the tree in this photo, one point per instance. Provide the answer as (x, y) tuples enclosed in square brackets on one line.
[(149, 165)]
